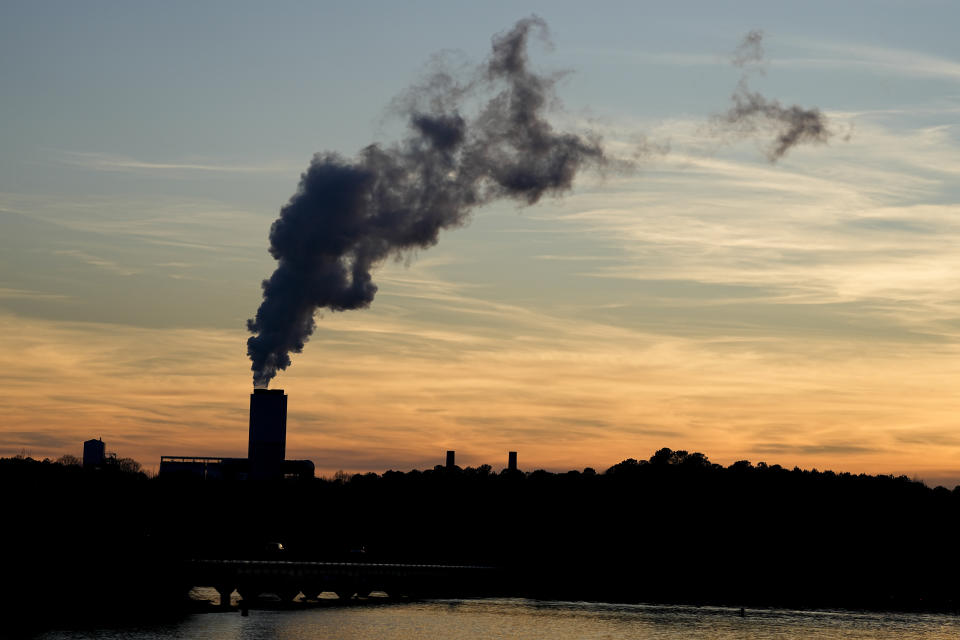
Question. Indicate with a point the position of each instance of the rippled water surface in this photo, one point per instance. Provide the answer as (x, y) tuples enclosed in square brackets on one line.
[(530, 619)]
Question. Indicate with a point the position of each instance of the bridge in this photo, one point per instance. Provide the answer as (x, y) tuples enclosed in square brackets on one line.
[(286, 579)]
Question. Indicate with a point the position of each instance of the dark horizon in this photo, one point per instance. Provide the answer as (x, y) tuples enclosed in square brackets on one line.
[(443, 463), (671, 529)]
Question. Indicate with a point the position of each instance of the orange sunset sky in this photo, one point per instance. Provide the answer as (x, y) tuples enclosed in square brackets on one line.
[(804, 312)]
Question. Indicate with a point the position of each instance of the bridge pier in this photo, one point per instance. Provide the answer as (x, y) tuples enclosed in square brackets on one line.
[(286, 579), (249, 593), (225, 593), (313, 591), (288, 594)]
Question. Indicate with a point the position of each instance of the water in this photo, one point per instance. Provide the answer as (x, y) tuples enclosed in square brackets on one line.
[(535, 620)]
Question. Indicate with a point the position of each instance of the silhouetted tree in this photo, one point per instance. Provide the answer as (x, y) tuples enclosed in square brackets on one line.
[(126, 465), (628, 466), (676, 528)]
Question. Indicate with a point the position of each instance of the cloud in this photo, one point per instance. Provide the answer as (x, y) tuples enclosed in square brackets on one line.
[(108, 162), (576, 392), (16, 441), (839, 449), (839, 56), (198, 223), (881, 60), (96, 261), (7, 293), (868, 224)]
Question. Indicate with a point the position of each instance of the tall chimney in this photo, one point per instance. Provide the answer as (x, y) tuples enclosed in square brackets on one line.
[(268, 433), (512, 460), (451, 459)]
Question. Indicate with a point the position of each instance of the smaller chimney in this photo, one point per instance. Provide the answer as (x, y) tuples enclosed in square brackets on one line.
[(512, 460), (94, 452), (451, 459)]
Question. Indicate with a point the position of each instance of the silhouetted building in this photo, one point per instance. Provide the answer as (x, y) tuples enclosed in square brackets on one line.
[(266, 448), (94, 452), (511, 460), (208, 468), (217, 468), (451, 459), (268, 433)]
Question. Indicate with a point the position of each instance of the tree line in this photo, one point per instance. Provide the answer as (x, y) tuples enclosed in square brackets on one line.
[(674, 527)]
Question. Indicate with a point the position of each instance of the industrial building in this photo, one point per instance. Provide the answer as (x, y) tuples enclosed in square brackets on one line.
[(266, 449), (94, 452)]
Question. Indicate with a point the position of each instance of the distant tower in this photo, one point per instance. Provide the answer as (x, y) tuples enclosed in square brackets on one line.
[(511, 460), (451, 459), (94, 451), (268, 433)]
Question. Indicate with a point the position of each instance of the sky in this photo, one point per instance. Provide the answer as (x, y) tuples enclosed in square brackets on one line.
[(800, 312)]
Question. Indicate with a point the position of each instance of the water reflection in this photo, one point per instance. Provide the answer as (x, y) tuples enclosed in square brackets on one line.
[(536, 620)]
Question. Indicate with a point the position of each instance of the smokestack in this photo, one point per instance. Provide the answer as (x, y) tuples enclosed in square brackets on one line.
[(451, 459), (511, 460), (268, 433)]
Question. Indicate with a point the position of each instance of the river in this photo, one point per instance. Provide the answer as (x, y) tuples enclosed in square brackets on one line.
[(533, 620)]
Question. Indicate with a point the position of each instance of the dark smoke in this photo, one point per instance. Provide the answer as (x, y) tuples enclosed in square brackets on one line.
[(750, 50), (348, 216), (752, 113)]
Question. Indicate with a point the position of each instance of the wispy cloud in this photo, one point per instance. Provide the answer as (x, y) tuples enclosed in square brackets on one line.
[(651, 57), (832, 56), (7, 293), (96, 261), (843, 449), (872, 222), (199, 223), (864, 57), (110, 162), (602, 390)]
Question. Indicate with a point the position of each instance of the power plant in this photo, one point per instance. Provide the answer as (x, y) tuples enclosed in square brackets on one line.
[(266, 448)]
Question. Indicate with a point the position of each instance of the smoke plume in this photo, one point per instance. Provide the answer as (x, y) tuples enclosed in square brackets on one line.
[(349, 215), (752, 113), (750, 50)]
